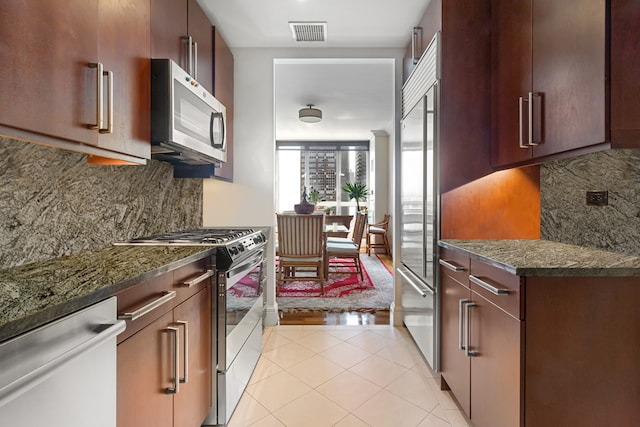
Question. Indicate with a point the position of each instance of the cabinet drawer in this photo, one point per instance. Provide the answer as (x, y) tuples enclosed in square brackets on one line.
[(149, 299), (144, 294), (498, 286), (455, 265), (191, 279)]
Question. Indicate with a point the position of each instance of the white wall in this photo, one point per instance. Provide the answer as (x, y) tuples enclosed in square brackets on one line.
[(250, 199)]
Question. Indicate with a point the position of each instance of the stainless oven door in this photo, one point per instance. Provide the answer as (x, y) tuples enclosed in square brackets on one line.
[(239, 328)]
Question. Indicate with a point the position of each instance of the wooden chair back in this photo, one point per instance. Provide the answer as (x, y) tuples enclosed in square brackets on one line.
[(358, 228), (300, 235)]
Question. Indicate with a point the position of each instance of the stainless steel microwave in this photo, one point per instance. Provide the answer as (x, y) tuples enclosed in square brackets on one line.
[(187, 122)]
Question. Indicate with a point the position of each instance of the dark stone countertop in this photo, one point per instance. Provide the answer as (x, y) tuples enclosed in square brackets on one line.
[(547, 258), (34, 294)]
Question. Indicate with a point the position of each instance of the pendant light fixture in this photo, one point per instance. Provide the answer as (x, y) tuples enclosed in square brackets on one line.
[(310, 114)]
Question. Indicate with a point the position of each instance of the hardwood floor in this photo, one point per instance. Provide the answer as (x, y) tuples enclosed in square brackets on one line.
[(330, 318), (381, 317)]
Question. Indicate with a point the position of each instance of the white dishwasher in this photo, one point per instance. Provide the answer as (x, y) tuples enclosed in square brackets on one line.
[(62, 374)]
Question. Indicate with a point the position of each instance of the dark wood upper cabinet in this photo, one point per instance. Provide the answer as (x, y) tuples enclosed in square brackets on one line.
[(223, 91), (511, 77), (172, 22), (464, 87), (562, 78), (124, 50), (625, 69), (49, 91)]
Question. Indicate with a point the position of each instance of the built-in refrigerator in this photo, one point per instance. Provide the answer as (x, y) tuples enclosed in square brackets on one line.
[(419, 224)]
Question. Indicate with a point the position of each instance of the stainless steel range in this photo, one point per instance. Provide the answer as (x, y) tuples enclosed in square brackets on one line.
[(240, 275)]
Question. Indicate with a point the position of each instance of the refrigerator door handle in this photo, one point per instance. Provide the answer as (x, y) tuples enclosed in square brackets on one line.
[(424, 292)]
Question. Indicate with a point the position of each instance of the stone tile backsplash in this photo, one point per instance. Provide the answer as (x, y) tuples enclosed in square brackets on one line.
[(564, 214), (53, 204)]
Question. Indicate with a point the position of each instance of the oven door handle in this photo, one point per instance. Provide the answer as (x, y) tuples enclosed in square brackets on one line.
[(244, 268)]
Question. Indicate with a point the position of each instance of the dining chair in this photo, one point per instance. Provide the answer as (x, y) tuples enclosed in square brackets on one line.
[(300, 249), (341, 254), (378, 229)]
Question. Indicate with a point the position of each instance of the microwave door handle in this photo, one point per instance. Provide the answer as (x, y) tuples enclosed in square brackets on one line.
[(212, 120)]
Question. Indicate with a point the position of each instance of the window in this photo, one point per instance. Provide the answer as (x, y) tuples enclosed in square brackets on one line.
[(322, 166)]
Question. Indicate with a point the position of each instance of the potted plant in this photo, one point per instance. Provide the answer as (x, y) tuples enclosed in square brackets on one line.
[(314, 196), (356, 190)]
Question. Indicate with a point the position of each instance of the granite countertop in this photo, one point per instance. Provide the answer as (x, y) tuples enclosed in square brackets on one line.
[(547, 258), (34, 294)]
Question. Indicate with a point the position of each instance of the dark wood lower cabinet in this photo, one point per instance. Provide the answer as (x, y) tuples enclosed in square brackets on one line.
[(495, 368), (456, 367), (486, 383), (144, 360), (172, 324), (146, 369), (550, 351), (193, 401)]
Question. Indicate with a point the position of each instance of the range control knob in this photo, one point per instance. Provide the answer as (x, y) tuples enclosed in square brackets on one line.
[(233, 250), (241, 247)]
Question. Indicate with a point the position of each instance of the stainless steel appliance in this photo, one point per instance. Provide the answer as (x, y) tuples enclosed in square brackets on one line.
[(420, 226), (420, 209), (240, 275), (187, 122), (62, 374)]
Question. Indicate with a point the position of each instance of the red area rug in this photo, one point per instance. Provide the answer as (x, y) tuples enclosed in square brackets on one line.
[(337, 285)]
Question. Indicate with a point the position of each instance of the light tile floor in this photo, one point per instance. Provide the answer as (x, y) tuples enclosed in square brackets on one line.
[(344, 376)]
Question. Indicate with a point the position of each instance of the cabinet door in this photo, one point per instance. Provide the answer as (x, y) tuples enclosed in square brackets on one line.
[(625, 68), (569, 42), (454, 363), (201, 31), (223, 91), (193, 401), (144, 369), (45, 49), (511, 78), (168, 27), (124, 49), (495, 368)]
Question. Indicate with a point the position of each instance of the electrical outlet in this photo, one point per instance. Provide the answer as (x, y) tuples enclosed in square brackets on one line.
[(597, 198)]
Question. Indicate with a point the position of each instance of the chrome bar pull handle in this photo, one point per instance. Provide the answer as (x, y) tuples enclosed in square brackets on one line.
[(190, 56), (195, 60), (534, 139), (461, 303), (535, 118), (450, 266), (199, 279), (189, 42), (487, 286), (99, 93), (414, 44), (176, 363), (136, 314), (185, 350), (109, 128), (521, 101), (467, 351)]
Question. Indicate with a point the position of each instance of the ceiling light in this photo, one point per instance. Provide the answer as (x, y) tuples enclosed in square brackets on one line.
[(310, 114)]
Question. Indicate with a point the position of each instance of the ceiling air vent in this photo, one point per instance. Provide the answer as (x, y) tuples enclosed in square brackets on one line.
[(309, 31)]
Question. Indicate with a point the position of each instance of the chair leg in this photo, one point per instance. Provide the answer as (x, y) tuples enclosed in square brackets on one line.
[(368, 244), (387, 247), (321, 275), (359, 267)]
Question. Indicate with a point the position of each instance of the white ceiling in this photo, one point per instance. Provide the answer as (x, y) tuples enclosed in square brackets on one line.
[(355, 96)]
